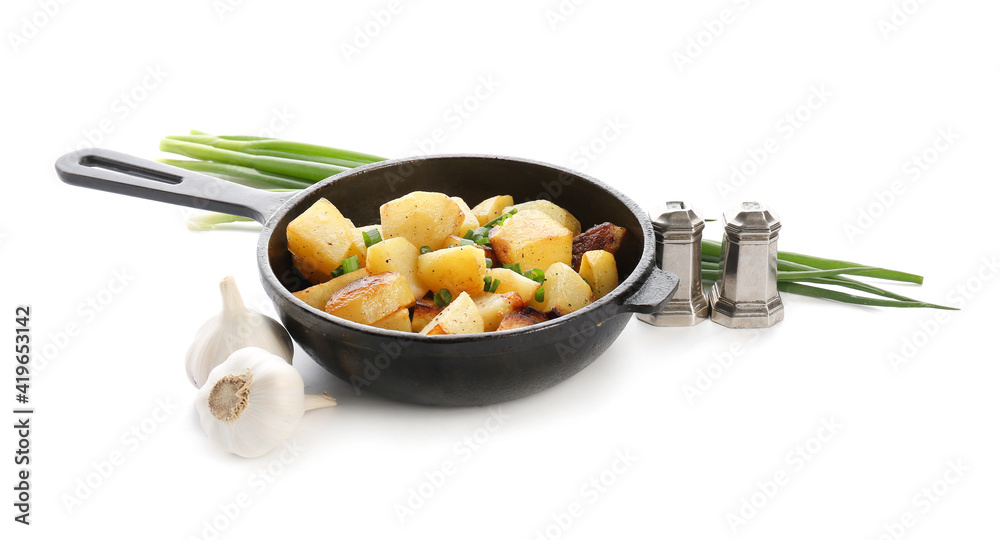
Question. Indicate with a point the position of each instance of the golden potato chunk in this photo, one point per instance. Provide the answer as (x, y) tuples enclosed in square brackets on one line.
[(371, 299), (399, 320), (606, 236), (494, 307), (318, 295), (554, 211), (532, 239), (359, 241), (397, 255), (491, 208), (511, 281), (461, 316), (456, 269), (599, 269), (565, 291), (515, 320), (424, 218), (469, 220), (423, 313), (319, 239)]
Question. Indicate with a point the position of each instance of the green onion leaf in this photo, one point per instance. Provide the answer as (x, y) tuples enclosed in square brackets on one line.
[(487, 281), (489, 262), (442, 298), (540, 295), (425, 249), (466, 242), (535, 274), (371, 237), (469, 234), (482, 241), (349, 265), (515, 267), (496, 284)]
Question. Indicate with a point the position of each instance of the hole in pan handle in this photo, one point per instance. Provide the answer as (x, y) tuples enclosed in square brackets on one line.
[(653, 293), (107, 170)]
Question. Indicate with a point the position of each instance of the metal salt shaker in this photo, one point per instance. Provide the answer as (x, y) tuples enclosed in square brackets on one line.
[(746, 293), (678, 250)]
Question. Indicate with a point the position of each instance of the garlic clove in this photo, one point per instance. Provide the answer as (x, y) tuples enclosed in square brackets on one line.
[(253, 401), (234, 328)]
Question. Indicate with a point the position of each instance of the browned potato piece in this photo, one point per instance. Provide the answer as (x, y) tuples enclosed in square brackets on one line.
[(423, 312), (516, 320), (549, 208), (534, 314), (397, 255), (604, 236), (491, 208), (511, 281), (494, 307), (461, 316), (532, 239), (422, 217), (372, 298), (469, 221), (399, 320), (454, 241), (599, 269), (565, 291), (456, 269), (319, 239), (317, 295)]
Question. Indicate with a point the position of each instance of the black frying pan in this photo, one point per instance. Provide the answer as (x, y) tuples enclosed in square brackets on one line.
[(457, 370)]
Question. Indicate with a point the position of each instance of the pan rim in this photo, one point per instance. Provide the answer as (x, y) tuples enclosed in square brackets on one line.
[(612, 304)]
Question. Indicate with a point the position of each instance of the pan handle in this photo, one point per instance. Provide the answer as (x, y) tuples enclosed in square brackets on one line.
[(653, 294), (107, 170)]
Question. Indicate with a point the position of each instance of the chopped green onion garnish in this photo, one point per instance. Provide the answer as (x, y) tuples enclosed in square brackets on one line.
[(540, 295), (425, 249), (482, 240), (371, 237), (350, 264), (442, 298), (499, 220), (535, 274), (495, 285), (487, 281), (489, 262), (515, 267), (469, 234), (338, 272), (466, 242)]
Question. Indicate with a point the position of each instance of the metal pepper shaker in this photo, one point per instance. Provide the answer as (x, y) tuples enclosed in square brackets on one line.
[(678, 250), (746, 293)]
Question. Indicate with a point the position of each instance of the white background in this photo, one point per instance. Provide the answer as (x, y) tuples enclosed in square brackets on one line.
[(281, 66)]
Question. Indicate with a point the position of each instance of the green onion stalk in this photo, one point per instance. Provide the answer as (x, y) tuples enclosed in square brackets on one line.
[(280, 165)]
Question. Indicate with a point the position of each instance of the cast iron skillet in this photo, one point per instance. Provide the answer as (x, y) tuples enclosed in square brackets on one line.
[(430, 370)]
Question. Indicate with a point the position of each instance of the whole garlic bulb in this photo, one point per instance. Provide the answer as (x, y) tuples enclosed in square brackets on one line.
[(252, 402), (234, 328)]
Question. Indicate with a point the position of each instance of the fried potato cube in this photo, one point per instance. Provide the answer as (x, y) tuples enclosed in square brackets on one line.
[(549, 208), (318, 295), (599, 269), (469, 222), (491, 208), (511, 281), (461, 316), (532, 239), (423, 312), (400, 256), (565, 291), (494, 307), (399, 320), (456, 269), (605, 236), (319, 239), (424, 218), (371, 299), (515, 320)]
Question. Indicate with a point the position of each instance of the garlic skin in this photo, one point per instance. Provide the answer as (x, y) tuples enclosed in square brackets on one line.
[(234, 328), (253, 401)]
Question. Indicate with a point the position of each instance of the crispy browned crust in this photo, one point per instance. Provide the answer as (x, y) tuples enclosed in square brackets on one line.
[(515, 320), (357, 288), (534, 314), (606, 236)]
